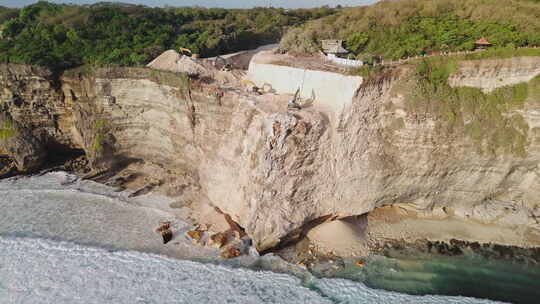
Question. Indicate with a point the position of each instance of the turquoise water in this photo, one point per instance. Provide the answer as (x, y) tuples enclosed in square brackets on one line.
[(466, 275)]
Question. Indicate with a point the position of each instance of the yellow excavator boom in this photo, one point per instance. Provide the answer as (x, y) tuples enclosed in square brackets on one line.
[(246, 82), (184, 50)]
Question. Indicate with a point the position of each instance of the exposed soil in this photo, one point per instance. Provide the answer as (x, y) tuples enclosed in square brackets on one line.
[(301, 62)]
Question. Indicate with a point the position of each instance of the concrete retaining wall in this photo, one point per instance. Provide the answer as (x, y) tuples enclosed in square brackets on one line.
[(325, 87)]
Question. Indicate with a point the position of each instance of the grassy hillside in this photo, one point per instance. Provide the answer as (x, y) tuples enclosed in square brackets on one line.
[(490, 119), (63, 36), (398, 29), (7, 13)]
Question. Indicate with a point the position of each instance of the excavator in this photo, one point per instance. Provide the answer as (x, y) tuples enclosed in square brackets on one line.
[(246, 82), (266, 88), (293, 103), (185, 51), (250, 85)]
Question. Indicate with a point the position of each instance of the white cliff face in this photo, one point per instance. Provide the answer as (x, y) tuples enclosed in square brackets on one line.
[(375, 152), (274, 170), (411, 162), (146, 117), (265, 169), (491, 74)]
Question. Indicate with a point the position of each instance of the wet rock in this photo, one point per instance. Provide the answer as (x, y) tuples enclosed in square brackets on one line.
[(202, 227), (230, 252), (144, 190), (218, 240), (167, 236), (503, 251), (474, 246), (163, 226), (79, 165), (165, 230), (7, 167), (359, 263), (453, 248), (458, 243), (252, 251)]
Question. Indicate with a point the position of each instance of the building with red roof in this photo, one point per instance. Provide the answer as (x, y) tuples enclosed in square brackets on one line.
[(482, 44)]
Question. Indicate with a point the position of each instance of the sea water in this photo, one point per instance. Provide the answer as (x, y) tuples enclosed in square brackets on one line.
[(63, 240), (466, 275)]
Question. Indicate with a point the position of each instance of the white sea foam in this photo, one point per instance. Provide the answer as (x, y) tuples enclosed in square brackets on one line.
[(59, 206), (344, 291), (55, 247), (46, 271)]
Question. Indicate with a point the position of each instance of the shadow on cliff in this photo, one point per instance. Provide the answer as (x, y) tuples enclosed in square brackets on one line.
[(58, 154), (121, 162), (297, 235)]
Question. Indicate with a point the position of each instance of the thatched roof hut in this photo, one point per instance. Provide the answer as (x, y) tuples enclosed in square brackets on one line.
[(482, 43), (333, 47)]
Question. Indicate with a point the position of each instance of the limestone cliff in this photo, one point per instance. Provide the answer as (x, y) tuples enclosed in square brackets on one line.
[(275, 170), (491, 74), (33, 116)]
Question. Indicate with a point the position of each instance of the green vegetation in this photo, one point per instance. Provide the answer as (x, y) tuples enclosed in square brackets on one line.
[(487, 118), (400, 29), (369, 70), (99, 128), (178, 80), (7, 130), (65, 36), (7, 13)]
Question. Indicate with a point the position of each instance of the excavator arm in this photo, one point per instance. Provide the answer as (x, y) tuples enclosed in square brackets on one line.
[(184, 50), (246, 83)]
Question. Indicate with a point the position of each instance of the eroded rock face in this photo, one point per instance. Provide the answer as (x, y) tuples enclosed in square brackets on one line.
[(129, 114), (265, 170), (491, 74), (274, 170), (33, 114), (379, 151), (17, 142)]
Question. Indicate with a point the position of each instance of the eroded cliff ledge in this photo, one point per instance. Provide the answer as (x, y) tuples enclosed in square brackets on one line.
[(273, 170)]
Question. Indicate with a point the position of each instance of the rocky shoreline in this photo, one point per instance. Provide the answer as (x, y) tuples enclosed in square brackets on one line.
[(328, 264), (455, 247), (233, 241)]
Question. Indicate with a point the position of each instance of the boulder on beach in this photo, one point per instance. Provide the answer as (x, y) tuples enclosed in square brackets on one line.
[(230, 252), (218, 240)]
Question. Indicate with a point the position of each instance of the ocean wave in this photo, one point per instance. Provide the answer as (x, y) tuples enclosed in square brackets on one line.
[(46, 271)]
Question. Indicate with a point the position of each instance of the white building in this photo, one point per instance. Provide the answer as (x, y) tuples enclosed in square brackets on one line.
[(333, 49)]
